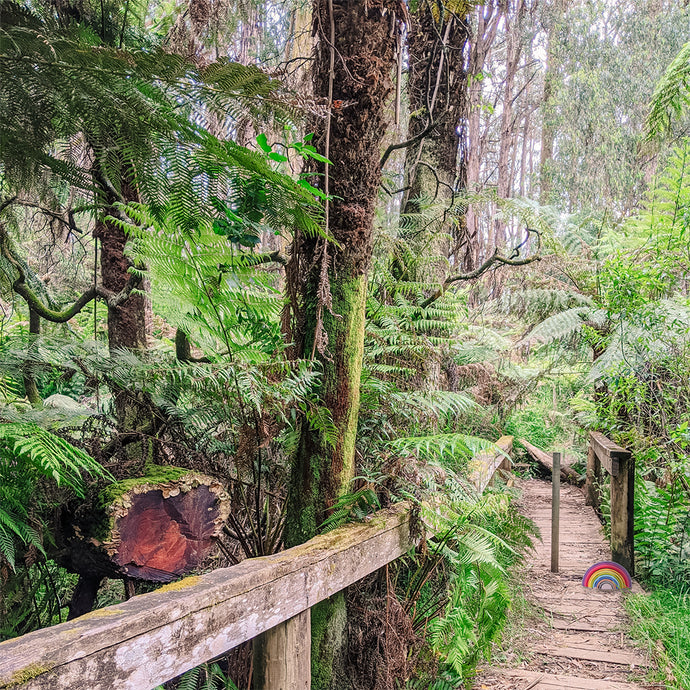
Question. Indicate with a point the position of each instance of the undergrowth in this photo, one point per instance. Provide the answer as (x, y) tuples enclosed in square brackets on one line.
[(661, 621)]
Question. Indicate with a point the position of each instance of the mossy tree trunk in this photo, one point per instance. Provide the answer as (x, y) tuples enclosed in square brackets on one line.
[(327, 281)]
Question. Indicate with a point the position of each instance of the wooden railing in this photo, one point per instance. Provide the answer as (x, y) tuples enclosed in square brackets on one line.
[(152, 638), (620, 464)]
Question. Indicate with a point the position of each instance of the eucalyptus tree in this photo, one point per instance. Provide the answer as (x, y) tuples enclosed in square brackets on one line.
[(604, 59)]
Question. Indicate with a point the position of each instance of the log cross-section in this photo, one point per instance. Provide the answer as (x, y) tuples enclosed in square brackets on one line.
[(152, 638)]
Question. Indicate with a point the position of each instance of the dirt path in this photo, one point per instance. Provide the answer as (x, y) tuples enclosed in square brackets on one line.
[(575, 638)]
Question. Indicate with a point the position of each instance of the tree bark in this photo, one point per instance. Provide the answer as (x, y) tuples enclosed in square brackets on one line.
[(327, 281), (30, 387), (127, 321), (548, 130), (437, 88), (488, 17), (507, 137)]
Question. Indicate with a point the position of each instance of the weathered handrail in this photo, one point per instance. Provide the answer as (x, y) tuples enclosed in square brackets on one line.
[(154, 637), (620, 464), (484, 466)]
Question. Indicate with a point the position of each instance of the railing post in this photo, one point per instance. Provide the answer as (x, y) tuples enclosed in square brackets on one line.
[(555, 510), (593, 478), (622, 515), (282, 655)]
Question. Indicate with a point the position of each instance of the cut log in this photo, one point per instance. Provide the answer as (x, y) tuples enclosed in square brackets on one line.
[(156, 527), (568, 474)]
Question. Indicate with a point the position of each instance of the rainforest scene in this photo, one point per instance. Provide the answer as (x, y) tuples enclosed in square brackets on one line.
[(345, 344)]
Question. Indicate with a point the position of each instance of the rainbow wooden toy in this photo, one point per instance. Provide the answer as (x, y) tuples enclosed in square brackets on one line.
[(607, 575)]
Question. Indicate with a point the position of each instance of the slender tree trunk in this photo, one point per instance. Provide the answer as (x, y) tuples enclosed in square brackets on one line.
[(30, 387), (548, 130), (488, 17), (127, 323), (507, 136), (327, 281)]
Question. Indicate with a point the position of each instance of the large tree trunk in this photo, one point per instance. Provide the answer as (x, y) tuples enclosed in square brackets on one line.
[(328, 280), (437, 87)]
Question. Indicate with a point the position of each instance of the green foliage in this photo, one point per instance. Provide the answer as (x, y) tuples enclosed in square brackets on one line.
[(670, 95), (34, 596), (458, 591), (208, 676), (602, 83), (51, 74), (451, 449), (534, 425), (661, 622), (662, 530), (28, 453)]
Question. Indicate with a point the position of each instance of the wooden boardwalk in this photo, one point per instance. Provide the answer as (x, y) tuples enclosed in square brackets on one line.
[(576, 639)]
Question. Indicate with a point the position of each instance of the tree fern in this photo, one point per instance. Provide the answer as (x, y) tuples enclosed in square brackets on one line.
[(671, 94), (451, 448)]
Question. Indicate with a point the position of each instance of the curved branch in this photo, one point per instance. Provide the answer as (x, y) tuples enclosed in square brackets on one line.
[(410, 142), (495, 258), (21, 287)]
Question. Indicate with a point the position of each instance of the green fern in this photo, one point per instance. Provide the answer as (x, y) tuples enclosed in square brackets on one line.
[(452, 448), (671, 94), (27, 453)]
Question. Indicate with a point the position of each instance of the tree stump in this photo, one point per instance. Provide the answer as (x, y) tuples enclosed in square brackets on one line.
[(156, 527)]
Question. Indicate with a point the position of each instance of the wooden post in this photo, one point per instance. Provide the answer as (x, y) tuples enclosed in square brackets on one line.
[(555, 509), (282, 655), (593, 478), (619, 463), (622, 515)]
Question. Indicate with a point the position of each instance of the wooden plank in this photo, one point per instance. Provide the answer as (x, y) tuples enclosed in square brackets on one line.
[(583, 626), (563, 682), (484, 466), (599, 655), (151, 638), (608, 452)]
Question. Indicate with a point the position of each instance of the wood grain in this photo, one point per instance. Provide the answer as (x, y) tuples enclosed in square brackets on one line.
[(151, 638)]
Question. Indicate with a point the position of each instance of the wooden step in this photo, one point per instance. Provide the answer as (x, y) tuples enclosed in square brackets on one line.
[(546, 681)]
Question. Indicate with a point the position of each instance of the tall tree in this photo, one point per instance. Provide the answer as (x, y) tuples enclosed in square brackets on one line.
[(485, 26), (352, 75), (435, 167)]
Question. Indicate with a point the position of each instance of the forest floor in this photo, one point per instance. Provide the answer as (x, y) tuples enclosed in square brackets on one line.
[(566, 636)]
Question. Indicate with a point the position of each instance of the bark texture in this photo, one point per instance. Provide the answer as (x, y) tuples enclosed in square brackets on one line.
[(437, 88), (126, 322), (327, 280)]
